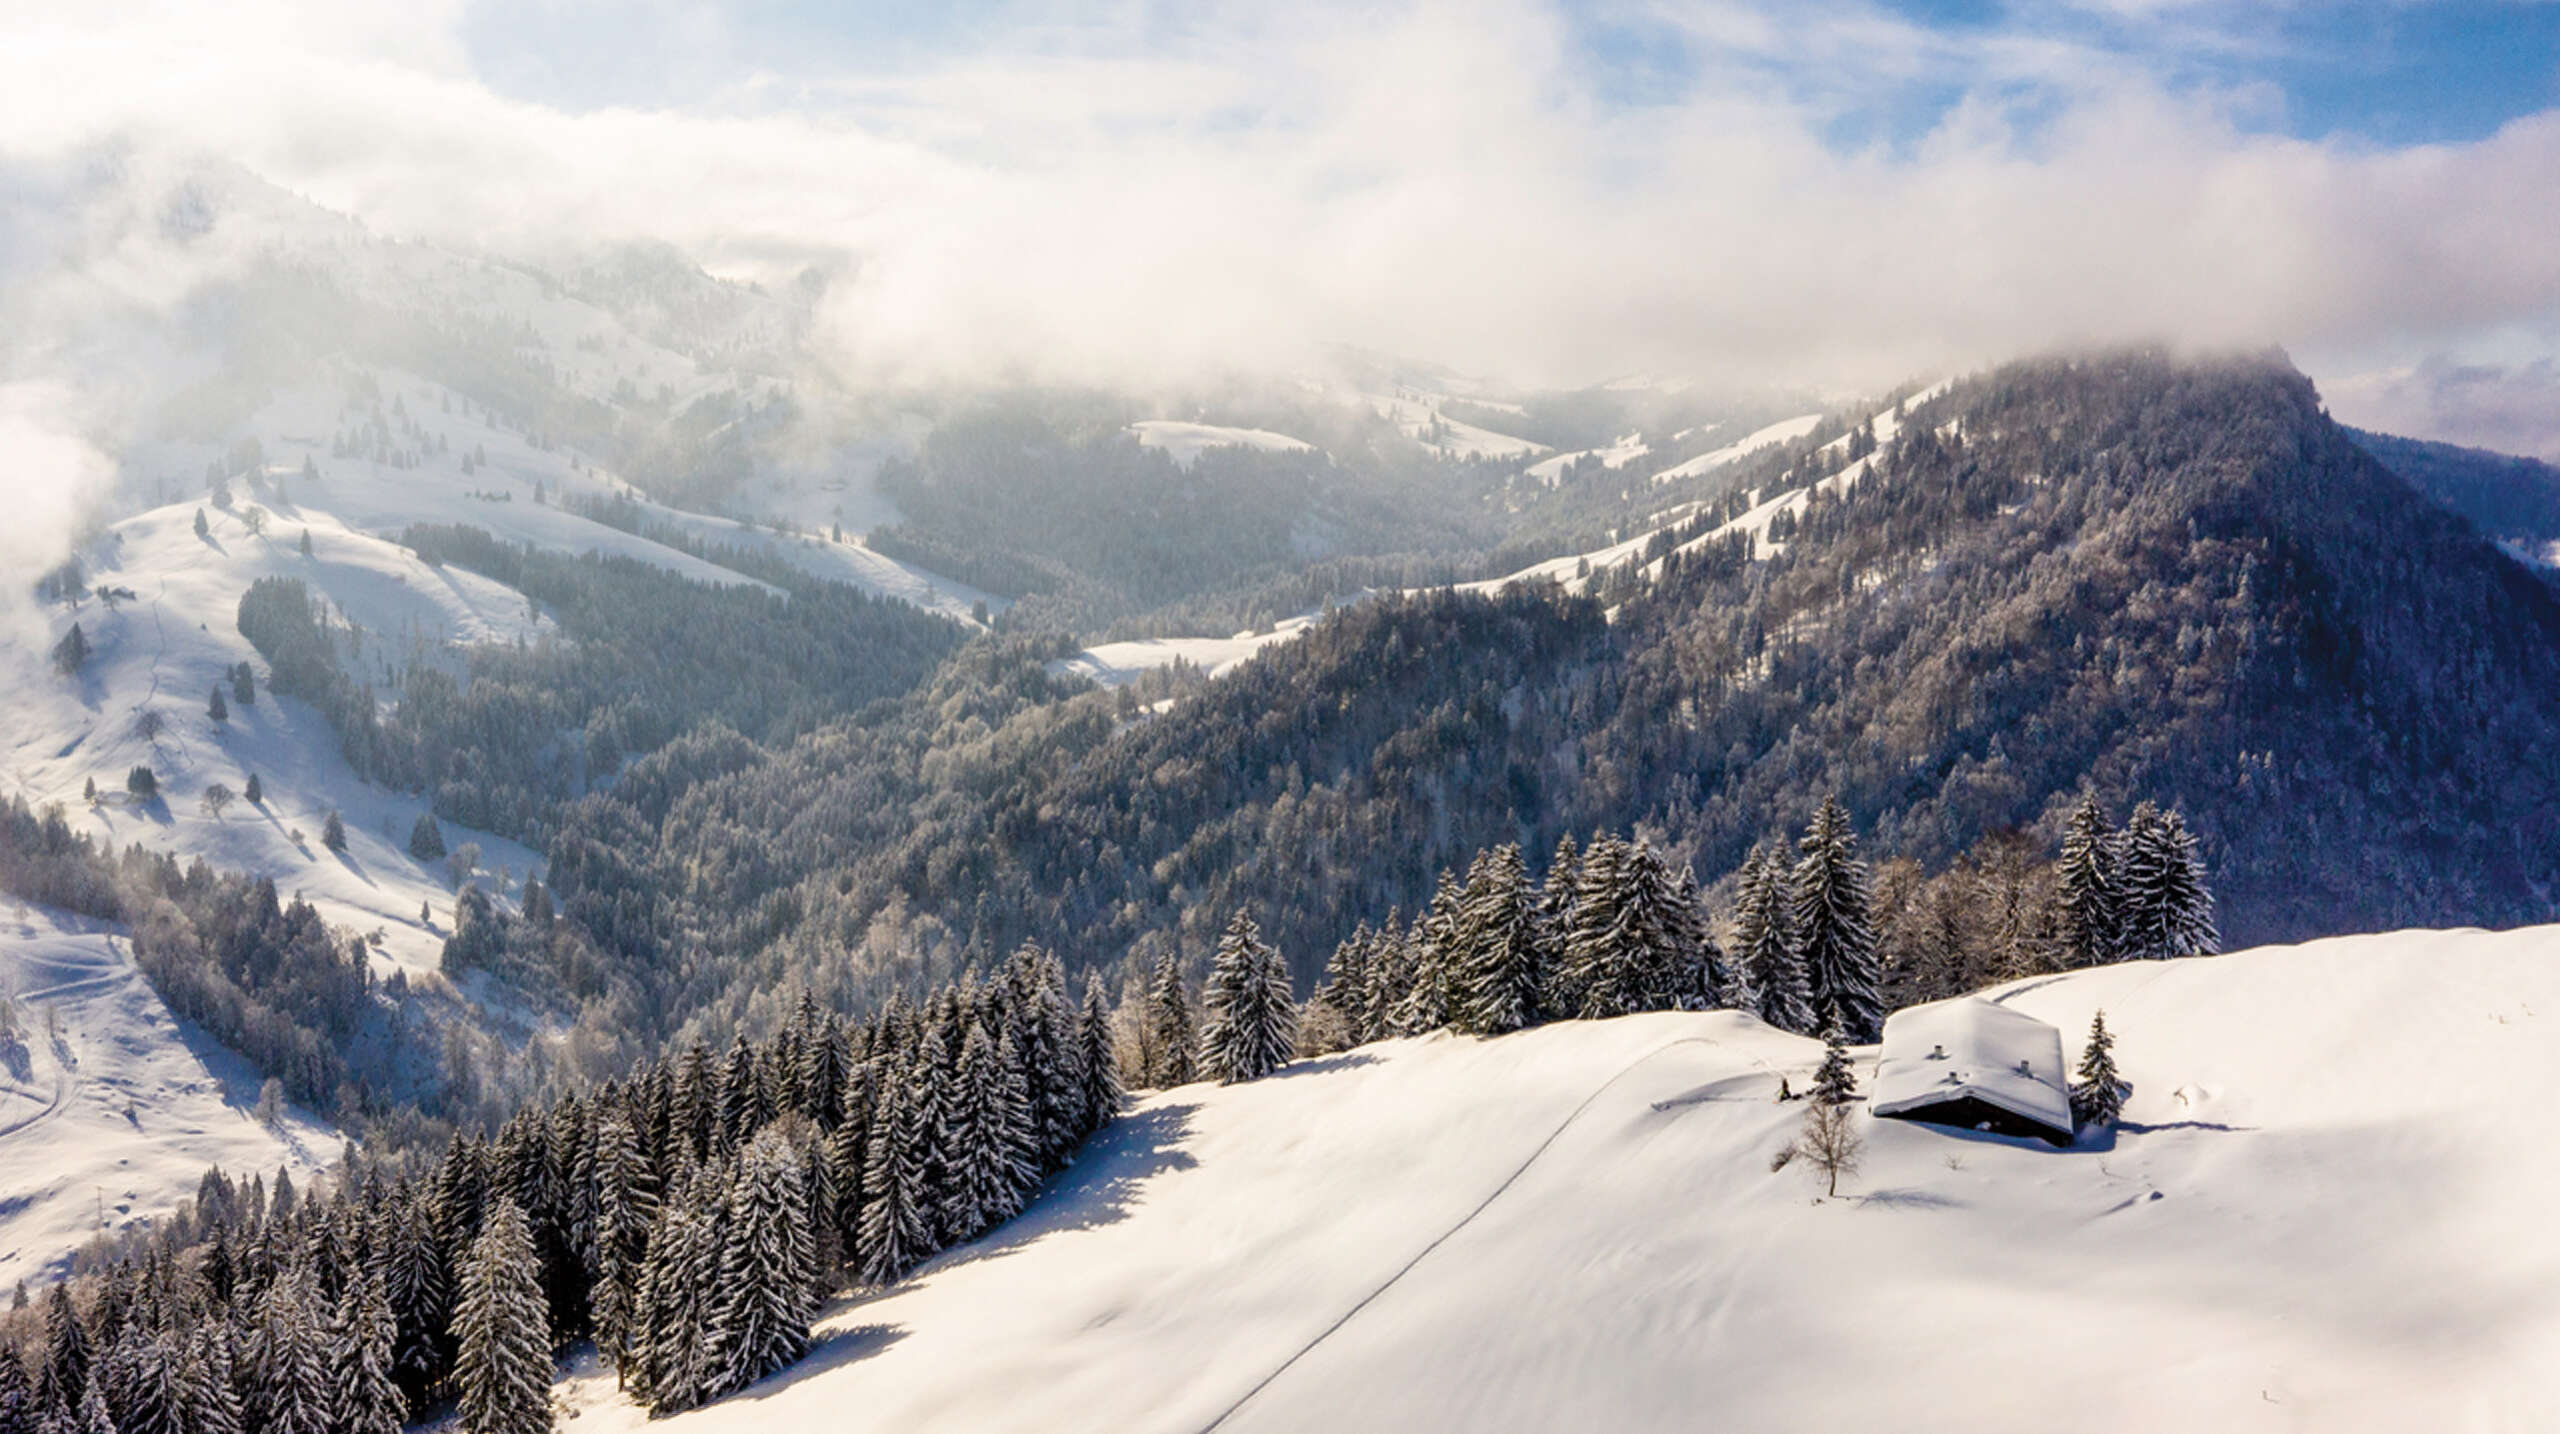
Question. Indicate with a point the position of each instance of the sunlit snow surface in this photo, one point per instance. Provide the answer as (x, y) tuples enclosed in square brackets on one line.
[(111, 1107), (2328, 1210)]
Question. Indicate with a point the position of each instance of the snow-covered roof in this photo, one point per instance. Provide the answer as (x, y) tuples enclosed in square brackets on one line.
[(1948, 1050)]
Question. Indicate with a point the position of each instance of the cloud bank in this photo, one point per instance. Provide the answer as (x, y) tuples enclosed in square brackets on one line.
[(1140, 198)]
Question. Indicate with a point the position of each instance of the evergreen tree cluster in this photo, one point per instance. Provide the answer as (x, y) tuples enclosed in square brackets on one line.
[(688, 1219), (1608, 930), (2133, 893)]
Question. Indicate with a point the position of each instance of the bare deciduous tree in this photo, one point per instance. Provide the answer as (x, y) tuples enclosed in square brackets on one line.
[(1830, 1143), (216, 797)]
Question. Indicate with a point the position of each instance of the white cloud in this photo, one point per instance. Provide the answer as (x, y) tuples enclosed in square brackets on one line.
[(1137, 198), (2512, 408)]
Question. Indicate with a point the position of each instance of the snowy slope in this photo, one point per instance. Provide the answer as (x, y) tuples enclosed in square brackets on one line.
[(499, 494), (1418, 414), (1185, 440), (1117, 664), (1617, 455), (163, 652), (2328, 1211), (1784, 431), (110, 1106)]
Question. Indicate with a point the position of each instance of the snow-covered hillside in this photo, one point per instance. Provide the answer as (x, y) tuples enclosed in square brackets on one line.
[(2327, 1210), (111, 1107), (144, 697), (1184, 441), (1116, 664)]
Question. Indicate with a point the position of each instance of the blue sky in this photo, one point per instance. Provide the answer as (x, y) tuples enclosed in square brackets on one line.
[(2381, 72)]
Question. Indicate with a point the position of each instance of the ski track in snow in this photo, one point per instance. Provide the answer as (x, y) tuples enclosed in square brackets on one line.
[(1523, 1168)]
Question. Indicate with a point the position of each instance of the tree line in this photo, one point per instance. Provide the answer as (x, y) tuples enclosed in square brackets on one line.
[(688, 1220)]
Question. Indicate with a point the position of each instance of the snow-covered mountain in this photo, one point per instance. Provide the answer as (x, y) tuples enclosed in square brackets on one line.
[(2324, 1210)]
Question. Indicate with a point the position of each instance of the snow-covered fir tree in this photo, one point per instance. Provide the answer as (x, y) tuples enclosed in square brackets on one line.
[(2097, 1097), (63, 1376), (1100, 1067), (669, 1360), (208, 1387), (418, 1289), (1502, 971), (1834, 928), (288, 1371), (363, 1396), (502, 1369), (989, 1172), (1252, 1024), (18, 1410), (1390, 977), (1042, 1032), (1592, 937), (1771, 977), (2085, 906), (1431, 960), (1175, 1039), (625, 1208), (1835, 1081), (897, 1222), (762, 1320), (2187, 902)]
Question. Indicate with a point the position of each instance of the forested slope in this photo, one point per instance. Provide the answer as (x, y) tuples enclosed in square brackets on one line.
[(2160, 579)]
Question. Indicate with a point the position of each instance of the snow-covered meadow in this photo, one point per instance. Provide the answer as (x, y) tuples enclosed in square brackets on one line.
[(111, 1107), (2326, 1210)]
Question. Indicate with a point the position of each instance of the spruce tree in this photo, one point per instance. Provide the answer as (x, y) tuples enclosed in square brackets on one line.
[(364, 1396), (1834, 927), (897, 1225), (418, 1287), (1585, 982), (1502, 976), (848, 1156), (1177, 1046), (72, 653), (670, 1361), (1836, 1081), (625, 1208), (1391, 976), (1772, 968), (2142, 861), (2186, 902), (64, 1375), (2097, 1098), (1346, 983), (288, 1360), (767, 1266), (1252, 1025), (426, 840), (1432, 958), (2085, 888), (142, 1380), (1101, 1066), (502, 1372), (17, 1392), (208, 1389), (742, 1108), (92, 1416)]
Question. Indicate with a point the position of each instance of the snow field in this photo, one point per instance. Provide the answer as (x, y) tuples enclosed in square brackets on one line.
[(110, 1106), (2319, 1215), (1185, 441)]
